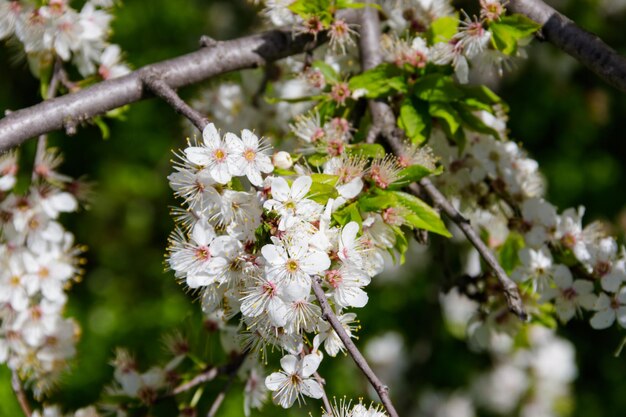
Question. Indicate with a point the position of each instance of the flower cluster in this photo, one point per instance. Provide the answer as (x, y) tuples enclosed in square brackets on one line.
[(557, 259), (254, 254), (56, 30), (470, 47), (38, 262)]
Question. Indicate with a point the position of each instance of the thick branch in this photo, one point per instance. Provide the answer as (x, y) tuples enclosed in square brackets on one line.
[(353, 351), (16, 384), (159, 87), (218, 58), (582, 45), (369, 45)]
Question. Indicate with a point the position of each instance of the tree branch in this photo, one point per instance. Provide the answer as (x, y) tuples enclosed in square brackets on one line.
[(353, 351), (384, 123), (369, 45), (586, 47), (167, 93), (16, 384), (215, 59)]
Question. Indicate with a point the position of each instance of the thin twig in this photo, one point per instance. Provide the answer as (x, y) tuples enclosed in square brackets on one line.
[(586, 47), (511, 292), (222, 394), (16, 384), (322, 382), (353, 351), (208, 375), (160, 88)]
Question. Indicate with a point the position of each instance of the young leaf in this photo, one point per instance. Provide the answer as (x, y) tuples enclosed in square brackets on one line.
[(424, 216), (330, 75), (347, 214), (443, 29), (412, 174), (368, 150), (509, 251), (320, 192), (415, 120), (385, 79), (437, 87), (509, 30)]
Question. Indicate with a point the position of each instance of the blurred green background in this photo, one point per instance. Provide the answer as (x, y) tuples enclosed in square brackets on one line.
[(569, 120)]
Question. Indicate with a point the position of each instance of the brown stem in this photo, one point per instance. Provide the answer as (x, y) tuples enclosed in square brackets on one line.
[(16, 384), (322, 382), (329, 315), (167, 93), (511, 292)]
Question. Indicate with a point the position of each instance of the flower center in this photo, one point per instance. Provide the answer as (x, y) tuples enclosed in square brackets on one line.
[(203, 253), (292, 265), (249, 155), (219, 155), (334, 278)]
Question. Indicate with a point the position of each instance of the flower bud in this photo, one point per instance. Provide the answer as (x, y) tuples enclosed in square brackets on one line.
[(282, 160)]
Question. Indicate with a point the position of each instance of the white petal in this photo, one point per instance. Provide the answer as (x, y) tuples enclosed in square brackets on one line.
[(275, 255), (300, 187), (315, 262), (249, 139), (310, 363), (275, 380), (221, 173), (280, 189), (289, 363), (602, 319), (196, 155), (211, 136), (312, 388), (562, 276)]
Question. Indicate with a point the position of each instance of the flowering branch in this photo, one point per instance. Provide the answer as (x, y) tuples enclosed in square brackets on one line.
[(353, 351), (509, 287), (384, 123), (16, 384), (215, 59), (167, 93), (325, 400), (586, 47)]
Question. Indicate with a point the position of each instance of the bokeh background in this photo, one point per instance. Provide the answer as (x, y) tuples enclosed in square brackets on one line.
[(567, 119)]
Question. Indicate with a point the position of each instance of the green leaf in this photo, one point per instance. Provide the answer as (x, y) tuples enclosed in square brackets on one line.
[(383, 80), (325, 179), (317, 159), (443, 29), (308, 8), (104, 129), (424, 216), (437, 87), (509, 251), (328, 71), (377, 202), (320, 192), (473, 122), (481, 98), (348, 4), (510, 30), (412, 174), (347, 214), (402, 244), (415, 120), (326, 109), (448, 115), (368, 150)]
